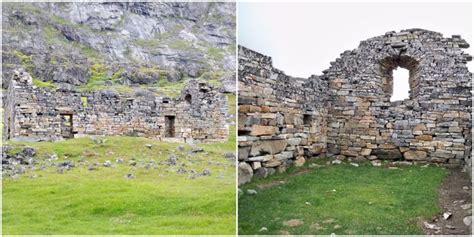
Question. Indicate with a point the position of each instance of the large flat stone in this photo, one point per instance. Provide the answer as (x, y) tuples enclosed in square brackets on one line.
[(268, 147), (387, 154), (272, 163), (258, 130), (424, 137), (415, 155)]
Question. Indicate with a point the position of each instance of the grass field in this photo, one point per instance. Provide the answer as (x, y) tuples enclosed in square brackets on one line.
[(342, 199), (157, 201)]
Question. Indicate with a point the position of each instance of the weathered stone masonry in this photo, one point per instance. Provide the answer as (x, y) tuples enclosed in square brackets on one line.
[(34, 113), (353, 116), (281, 119)]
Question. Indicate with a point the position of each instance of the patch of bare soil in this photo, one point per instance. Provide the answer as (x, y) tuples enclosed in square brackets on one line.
[(455, 201)]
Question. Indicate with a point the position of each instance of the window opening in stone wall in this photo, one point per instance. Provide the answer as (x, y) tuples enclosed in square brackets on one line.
[(188, 98), (66, 125), (84, 101), (399, 77), (401, 86), (169, 126), (307, 119)]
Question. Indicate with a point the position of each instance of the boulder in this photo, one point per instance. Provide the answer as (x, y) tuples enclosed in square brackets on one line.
[(300, 161), (245, 173), (29, 151), (174, 76)]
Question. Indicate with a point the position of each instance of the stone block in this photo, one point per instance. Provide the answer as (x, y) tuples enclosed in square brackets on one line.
[(387, 146), (289, 119), (249, 109), (300, 161), (415, 155), (387, 154), (268, 147), (403, 149), (256, 165), (284, 155), (264, 158), (266, 109), (365, 152), (258, 130), (371, 146), (245, 173), (443, 154), (294, 141), (272, 163), (424, 137), (349, 153), (244, 152)]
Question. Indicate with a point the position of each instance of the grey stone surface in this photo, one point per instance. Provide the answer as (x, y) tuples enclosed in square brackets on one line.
[(178, 38)]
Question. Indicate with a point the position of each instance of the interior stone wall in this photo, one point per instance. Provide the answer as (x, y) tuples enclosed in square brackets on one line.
[(281, 119), (33, 113), (351, 101)]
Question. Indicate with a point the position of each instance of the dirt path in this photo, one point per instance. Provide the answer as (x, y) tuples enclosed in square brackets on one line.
[(454, 198)]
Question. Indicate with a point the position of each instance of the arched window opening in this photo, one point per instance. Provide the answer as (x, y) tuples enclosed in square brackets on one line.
[(401, 86), (399, 78), (188, 98)]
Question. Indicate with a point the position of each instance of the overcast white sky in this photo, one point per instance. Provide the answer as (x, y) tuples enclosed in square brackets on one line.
[(302, 38)]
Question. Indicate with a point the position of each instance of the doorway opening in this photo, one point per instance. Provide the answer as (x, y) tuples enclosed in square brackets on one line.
[(66, 125), (169, 126)]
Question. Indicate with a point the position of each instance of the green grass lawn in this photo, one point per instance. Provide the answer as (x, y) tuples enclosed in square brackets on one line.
[(157, 201), (342, 199)]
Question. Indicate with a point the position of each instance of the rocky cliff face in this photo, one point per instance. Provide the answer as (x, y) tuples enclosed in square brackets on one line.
[(89, 46)]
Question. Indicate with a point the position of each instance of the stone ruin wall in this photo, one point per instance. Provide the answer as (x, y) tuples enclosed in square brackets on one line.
[(359, 120), (281, 119), (433, 125), (33, 113)]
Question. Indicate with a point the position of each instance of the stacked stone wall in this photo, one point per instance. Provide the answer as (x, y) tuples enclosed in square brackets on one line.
[(281, 120), (352, 115), (433, 125), (34, 113)]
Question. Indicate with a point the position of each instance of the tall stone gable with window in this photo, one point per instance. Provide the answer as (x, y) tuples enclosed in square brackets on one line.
[(33, 113), (352, 116)]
